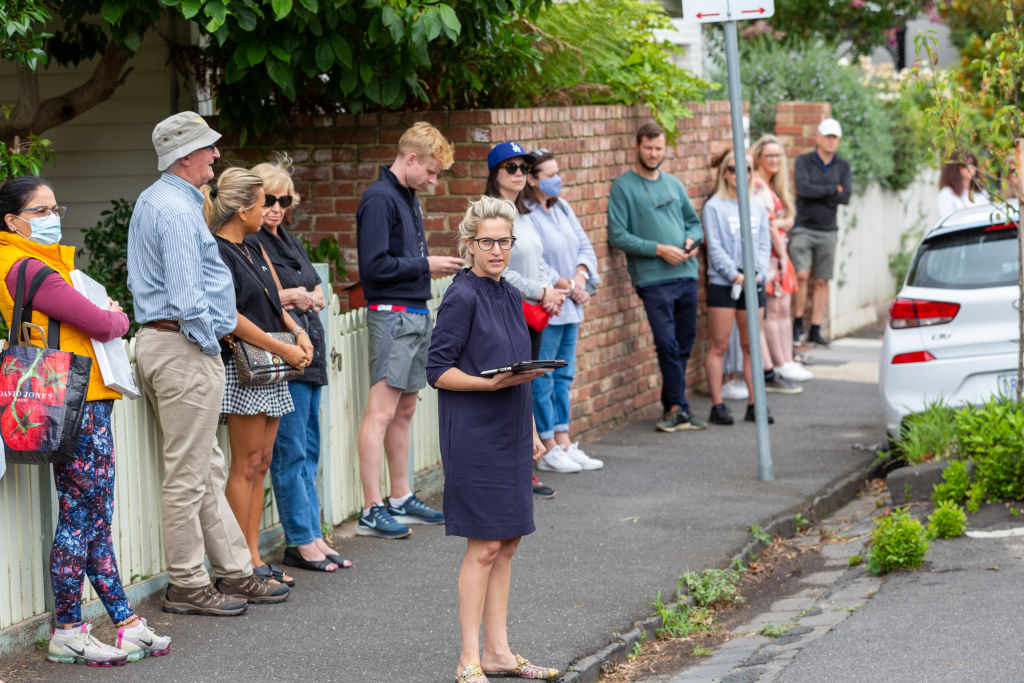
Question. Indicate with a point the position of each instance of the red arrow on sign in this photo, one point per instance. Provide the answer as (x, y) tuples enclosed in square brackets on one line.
[(759, 10), (701, 15)]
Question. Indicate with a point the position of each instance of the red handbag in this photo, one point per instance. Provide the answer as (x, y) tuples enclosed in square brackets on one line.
[(536, 317)]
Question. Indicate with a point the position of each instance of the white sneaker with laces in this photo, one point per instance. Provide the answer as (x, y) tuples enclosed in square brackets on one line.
[(735, 389), (557, 460), (142, 642), (795, 372), (582, 459), (82, 648)]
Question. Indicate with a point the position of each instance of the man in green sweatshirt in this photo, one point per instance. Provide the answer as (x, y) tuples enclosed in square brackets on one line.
[(651, 219)]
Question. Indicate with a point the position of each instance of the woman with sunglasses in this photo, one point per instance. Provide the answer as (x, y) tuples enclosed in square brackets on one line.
[(527, 270), (233, 208), (726, 302), (82, 544), (571, 257), (296, 458)]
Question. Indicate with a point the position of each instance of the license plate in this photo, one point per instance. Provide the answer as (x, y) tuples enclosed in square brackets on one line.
[(1008, 384)]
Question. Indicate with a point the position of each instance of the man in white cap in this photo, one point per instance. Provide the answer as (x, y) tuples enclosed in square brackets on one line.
[(185, 301), (823, 181)]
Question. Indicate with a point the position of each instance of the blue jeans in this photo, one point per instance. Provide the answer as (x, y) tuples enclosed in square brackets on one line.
[(551, 405), (294, 466), (672, 314)]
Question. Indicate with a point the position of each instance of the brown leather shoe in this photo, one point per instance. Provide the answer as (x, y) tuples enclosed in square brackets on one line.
[(253, 589), (204, 600)]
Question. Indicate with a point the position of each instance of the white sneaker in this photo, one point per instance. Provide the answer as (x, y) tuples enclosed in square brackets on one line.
[(142, 643), (735, 389), (557, 460), (795, 372), (581, 458), (81, 648)]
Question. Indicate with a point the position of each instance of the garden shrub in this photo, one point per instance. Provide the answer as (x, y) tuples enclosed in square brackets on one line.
[(947, 521), (992, 436), (898, 541), (955, 483), (106, 244)]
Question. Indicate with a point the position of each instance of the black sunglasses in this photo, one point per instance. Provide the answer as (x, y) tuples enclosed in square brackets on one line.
[(511, 168), (732, 169), (284, 200)]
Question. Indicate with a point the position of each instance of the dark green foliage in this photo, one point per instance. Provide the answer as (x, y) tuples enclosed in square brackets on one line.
[(898, 541), (992, 436), (106, 244), (327, 251)]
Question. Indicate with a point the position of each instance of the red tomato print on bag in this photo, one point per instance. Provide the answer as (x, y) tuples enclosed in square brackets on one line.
[(24, 424), (50, 379)]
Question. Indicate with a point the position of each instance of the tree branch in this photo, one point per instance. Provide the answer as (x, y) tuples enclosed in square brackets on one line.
[(33, 117)]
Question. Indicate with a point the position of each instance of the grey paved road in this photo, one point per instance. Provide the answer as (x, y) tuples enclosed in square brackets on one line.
[(604, 547)]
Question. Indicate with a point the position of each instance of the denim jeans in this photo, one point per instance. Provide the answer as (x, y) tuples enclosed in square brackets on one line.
[(672, 314), (551, 405), (293, 469)]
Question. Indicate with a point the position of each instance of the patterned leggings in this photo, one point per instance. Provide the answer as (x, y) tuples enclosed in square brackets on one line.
[(83, 545)]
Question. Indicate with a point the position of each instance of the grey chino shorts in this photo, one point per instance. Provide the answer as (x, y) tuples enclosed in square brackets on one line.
[(815, 248), (398, 348)]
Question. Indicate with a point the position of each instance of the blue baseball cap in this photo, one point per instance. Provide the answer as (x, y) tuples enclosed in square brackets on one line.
[(507, 150)]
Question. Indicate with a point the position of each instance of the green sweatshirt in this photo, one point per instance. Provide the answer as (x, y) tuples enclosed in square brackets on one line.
[(645, 213)]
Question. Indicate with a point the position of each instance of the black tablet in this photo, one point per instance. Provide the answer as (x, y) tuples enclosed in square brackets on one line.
[(526, 365)]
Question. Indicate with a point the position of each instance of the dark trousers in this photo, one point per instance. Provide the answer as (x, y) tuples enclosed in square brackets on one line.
[(672, 313)]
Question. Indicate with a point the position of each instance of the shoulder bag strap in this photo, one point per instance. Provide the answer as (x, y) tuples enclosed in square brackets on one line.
[(23, 306), (251, 269)]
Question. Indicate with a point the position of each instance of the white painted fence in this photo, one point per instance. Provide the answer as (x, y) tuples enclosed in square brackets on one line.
[(138, 542)]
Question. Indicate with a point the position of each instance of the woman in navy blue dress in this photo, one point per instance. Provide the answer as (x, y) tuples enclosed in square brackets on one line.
[(488, 443)]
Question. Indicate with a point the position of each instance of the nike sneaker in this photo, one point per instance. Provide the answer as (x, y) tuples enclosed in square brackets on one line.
[(82, 648), (379, 522), (415, 511), (143, 642)]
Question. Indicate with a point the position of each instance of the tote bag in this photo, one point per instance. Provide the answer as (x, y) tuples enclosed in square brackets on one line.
[(42, 390)]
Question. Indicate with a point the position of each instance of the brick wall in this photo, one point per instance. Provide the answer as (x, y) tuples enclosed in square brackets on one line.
[(337, 157)]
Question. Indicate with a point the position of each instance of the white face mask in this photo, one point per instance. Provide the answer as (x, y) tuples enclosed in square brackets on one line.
[(45, 230)]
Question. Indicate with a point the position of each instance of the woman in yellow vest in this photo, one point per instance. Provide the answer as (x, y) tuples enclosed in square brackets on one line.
[(82, 544)]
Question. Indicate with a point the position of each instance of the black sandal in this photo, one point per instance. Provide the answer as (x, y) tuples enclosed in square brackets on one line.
[(269, 571), (339, 560), (293, 558)]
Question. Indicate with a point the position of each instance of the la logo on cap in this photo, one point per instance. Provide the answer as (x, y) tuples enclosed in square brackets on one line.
[(516, 147)]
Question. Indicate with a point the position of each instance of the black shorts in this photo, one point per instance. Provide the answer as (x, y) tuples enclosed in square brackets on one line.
[(720, 296)]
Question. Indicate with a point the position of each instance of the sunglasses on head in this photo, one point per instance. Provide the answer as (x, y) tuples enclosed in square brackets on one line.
[(284, 200), (511, 168)]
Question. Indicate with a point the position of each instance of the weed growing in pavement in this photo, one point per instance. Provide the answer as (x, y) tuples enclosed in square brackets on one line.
[(948, 521), (801, 522), (679, 620), (701, 652), (638, 649), (714, 586), (992, 436), (956, 480), (928, 435), (850, 608), (898, 541), (760, 535), (856, 560), (42, 644), (975, 497), (776, 630), (1014, 511)]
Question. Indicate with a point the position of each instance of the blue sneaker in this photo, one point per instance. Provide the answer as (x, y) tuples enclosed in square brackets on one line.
[(379, 523), (415, 511)]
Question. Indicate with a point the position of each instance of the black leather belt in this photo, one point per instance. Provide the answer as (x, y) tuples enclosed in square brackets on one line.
[(163, 325)]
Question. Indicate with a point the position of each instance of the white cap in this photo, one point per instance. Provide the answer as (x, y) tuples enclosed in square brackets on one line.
[(180, 135), (830, 127)]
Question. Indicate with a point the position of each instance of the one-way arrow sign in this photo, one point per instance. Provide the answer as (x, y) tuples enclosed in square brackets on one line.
[(727, 10)]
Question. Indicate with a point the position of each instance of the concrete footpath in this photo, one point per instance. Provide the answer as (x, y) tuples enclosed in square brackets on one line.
[(604, 547)]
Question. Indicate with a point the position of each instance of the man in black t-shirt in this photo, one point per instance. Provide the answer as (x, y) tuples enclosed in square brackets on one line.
[(823, 181)]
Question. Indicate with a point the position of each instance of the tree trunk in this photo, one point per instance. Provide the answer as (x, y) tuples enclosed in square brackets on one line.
[(1020, 267)]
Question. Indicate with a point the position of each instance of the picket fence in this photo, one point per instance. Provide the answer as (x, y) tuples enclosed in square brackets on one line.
[(28, 501)]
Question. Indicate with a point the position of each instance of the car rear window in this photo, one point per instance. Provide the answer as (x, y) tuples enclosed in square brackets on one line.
[(971, 259)]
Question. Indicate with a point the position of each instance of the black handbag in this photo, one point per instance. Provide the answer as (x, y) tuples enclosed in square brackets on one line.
[(42, 389)]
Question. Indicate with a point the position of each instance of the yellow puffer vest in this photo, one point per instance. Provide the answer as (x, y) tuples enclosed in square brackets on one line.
[(61, 258)]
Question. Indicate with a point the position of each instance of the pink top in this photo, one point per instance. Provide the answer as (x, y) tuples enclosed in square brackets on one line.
[(57, 299)]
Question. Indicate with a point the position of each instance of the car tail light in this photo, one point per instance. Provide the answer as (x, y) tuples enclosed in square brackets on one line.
[(915, 357), (918, 313)]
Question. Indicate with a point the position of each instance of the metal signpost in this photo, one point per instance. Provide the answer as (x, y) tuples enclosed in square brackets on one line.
[(729, 12)]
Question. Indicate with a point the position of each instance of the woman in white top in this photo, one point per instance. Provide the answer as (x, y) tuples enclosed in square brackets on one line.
[(959, 186)]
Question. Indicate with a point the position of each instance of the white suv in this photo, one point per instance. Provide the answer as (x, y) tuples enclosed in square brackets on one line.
[(952, 331)]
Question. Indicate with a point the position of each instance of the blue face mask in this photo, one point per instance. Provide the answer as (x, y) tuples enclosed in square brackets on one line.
[(550, 186), (45, 230)]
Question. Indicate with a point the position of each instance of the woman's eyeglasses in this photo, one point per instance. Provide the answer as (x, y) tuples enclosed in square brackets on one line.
[(511, 168), (44, 211), (486, 243), (284, 200)]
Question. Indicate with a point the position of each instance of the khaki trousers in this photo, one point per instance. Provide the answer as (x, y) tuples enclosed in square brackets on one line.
[(185, 387)]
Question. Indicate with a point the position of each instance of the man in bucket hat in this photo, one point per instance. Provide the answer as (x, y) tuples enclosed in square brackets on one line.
[(185, 301)]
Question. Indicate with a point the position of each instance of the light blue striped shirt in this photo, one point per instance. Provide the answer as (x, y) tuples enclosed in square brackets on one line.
[(174, 266)]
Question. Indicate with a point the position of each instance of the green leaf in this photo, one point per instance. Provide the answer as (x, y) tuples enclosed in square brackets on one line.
[(256, 52), (281, 8), (189, 8), (366, 72), (324, 55), (391, 94), (452, 25), (372, 90), (348, 81), (111, 12), (432, 20), (373, 30), (279, 73), (341, 50), (132, 41), (281, 53), (217, 13), (311, 5), (247, 19)]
